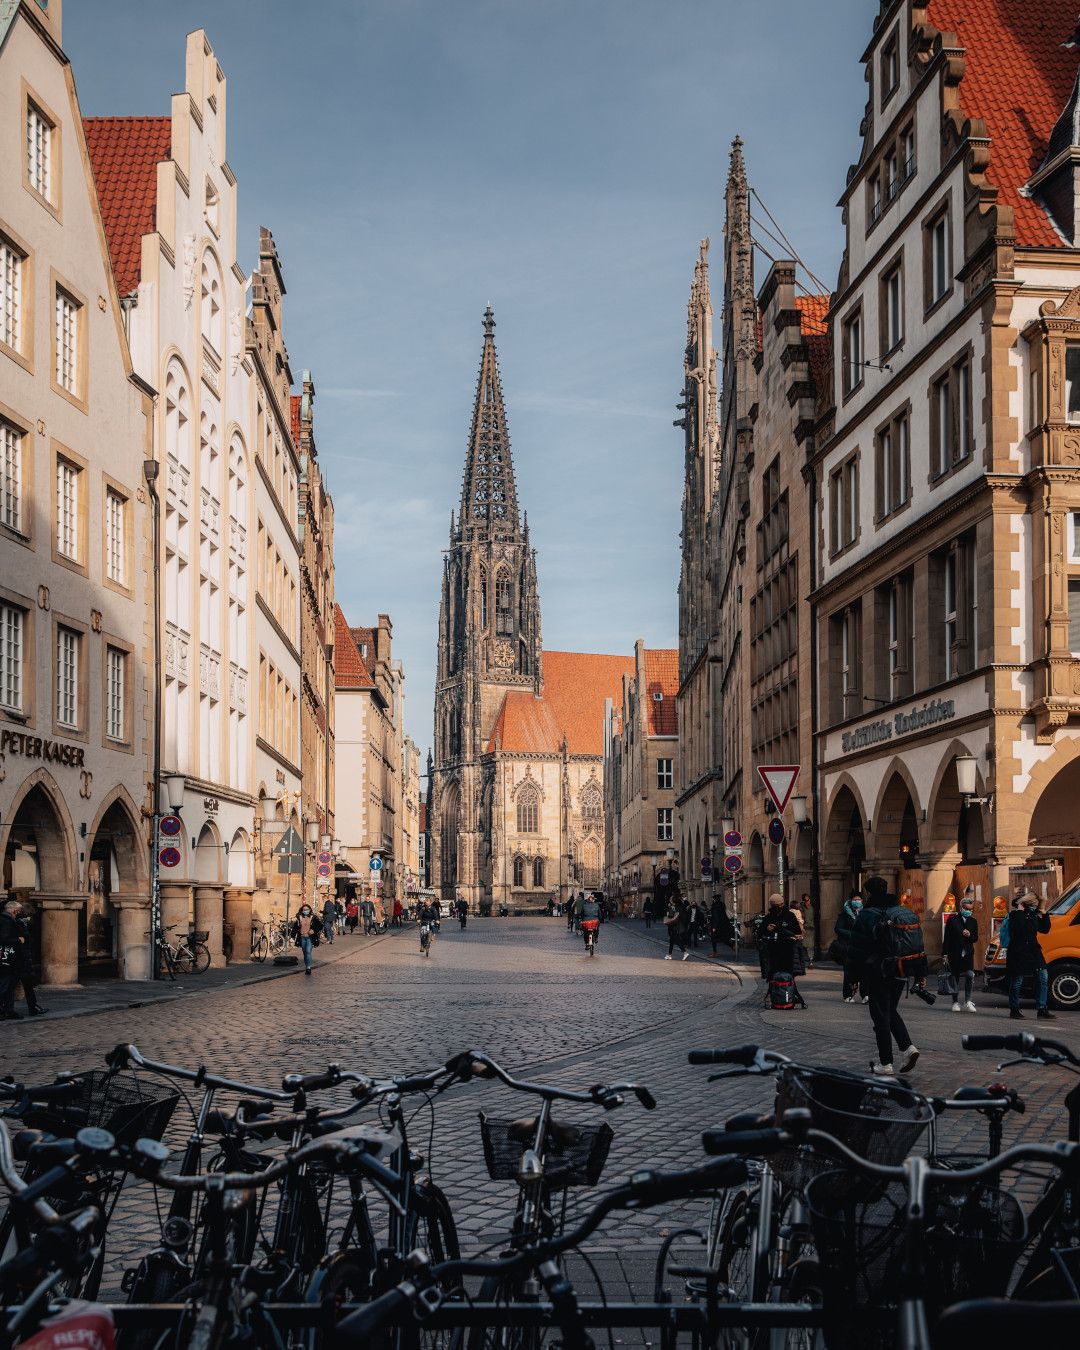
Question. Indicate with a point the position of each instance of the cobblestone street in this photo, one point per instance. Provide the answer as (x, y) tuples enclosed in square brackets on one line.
[(525, 991)]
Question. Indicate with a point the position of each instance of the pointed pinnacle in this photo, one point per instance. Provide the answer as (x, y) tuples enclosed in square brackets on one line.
[(489, 321)]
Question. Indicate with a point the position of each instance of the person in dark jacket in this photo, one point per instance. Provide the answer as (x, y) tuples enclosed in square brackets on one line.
[(841, 949), (1024, 958), (26, 963), (779, 934), (721, 929), (958, 947), (11, 939), (305, 930), (677, 922), (883, 991)]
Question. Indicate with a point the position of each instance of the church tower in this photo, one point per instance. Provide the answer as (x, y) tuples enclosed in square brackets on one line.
[(489, 640)]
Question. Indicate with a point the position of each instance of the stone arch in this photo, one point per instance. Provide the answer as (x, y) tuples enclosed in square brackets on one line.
[(448, 839), (176, 402), (1060, 770), (897, 816), (844, 843), (240, 860), (519, 871), (528, 809), (119, 819), (39, 826), (211, 299), (209, 854), (949, 822)]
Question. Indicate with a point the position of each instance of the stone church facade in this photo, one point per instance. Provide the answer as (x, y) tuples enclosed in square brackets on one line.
[(517, 801)]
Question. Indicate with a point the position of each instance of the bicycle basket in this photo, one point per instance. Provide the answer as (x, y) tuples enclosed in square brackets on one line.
[(196, 936), (880, 1121), (973, 1238), (129, 1107), (575, 1155)]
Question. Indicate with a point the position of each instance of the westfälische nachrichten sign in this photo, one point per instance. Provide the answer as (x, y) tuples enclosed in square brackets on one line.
[(903, 724)]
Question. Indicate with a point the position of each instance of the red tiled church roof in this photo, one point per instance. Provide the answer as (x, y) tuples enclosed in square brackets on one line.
[(350, 669), (1018, 79), (662, 677), (124, 154), (576, 686)]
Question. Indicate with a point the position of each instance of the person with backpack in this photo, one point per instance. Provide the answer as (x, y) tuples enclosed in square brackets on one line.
[(1024, 959), (887, 944)]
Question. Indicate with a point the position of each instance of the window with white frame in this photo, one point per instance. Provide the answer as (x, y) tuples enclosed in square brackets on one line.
[(844, 504), (938, 263), (12, 620), (115, 541), (892, 308), (11, 505), (891, 174), (665, 829), (893, 465), (846, 662), (949, 615), (1072, 381), (890, 67), (952, 427), (67, 678), (115, 712), (965, 437), (11, 296), (67, 510), (901, 630), (67, 342), (907, 153), (39, 134), (664, 773)]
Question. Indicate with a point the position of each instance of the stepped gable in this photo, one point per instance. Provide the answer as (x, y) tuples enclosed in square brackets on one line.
[(1017, 78), (124, 155)]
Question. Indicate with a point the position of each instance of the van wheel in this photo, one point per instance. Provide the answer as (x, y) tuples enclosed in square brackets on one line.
[(1065, 985)]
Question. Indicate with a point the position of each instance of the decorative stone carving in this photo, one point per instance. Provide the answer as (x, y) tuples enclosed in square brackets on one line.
[(95, 620), (43, 598), (188, 269)]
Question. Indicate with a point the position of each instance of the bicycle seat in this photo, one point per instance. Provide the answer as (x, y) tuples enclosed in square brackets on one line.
[(523, 1131), (973, 1093)]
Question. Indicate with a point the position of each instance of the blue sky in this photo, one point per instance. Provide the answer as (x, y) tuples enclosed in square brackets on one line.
[(561, 159)]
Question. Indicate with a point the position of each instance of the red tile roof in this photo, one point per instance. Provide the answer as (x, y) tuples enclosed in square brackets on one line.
[(813, 310), (294, 417), (365, 640), (576, 685), (1018, 80), (350, 668), (124, 154), (662, 677)]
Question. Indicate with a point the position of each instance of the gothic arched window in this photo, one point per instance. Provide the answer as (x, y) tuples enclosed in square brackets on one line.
[(519, 871), (504, 605), (592, 806), (528, 811), (210, 304), (538, 872), (483, 601)]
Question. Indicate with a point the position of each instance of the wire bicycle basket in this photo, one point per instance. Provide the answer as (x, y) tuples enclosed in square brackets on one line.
[(574, 1156), (879, 1121)]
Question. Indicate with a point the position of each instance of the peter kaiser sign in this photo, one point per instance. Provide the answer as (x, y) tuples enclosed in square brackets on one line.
[(41, 747)]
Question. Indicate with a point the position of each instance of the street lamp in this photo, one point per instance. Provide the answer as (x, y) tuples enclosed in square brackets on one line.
[(311, 832), (174, 790), (966, 766), (798, 810)]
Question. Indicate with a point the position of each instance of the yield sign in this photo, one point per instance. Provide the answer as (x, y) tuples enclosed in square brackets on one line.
[(290, 845), (779, 779)]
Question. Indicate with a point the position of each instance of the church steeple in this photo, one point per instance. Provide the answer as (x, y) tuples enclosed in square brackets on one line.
[(488, 491)]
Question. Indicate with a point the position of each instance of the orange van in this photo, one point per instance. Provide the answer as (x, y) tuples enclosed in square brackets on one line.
[(1061, 947)]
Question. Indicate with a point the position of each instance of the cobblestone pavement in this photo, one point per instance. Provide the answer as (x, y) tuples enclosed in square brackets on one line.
[(525, 991)]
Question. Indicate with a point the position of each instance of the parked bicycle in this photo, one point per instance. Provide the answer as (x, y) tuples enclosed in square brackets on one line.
[(182, 955)]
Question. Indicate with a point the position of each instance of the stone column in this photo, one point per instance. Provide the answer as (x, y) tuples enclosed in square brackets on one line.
[(60, 941), (209, 911), (238, 907), (133, 936), (831, 885), (939, 875), (175, 905)]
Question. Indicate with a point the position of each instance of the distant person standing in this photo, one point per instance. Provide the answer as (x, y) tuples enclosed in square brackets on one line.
[(329, 918), (958, 946), (1024, 958)]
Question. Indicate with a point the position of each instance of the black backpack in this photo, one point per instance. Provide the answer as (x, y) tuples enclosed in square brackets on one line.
[(781, 990), (900, 944)]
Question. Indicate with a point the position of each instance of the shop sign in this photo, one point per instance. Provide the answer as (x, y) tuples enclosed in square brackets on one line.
[(41, 747), (903, 724), (210, 805)]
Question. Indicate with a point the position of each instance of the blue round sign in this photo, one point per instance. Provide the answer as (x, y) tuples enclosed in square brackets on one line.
[(375, 864), (776, 830)]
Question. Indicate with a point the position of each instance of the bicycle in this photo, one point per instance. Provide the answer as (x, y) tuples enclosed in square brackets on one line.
[(183, 955), (759, 1245), (277, 937), (425, 939)]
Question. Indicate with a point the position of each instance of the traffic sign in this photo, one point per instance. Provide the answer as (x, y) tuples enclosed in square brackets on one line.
[(290, 844), (776, 830), (375, 864), (169, 857), (732, 839), (779, 779), (706, 869), (733, 863), (323, 869), (171, 826), (324, 857)]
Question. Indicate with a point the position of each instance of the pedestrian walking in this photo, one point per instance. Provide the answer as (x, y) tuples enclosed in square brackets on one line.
[(875, 940), (841, 949), (23, 914), (352, 915), (647, 911), (721, 929), (395, 920), (958, 949), (11, 939), (329, 919), (677, 922), (305, 931), (806, 913), (1024, 959)]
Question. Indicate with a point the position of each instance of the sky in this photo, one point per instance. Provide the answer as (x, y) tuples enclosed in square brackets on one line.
[(560, 159)]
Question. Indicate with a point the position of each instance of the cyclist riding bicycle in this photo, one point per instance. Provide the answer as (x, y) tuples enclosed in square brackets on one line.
[(590, 916)]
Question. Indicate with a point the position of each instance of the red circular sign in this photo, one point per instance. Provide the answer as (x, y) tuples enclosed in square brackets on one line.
[(324, 869), (170, 826), (733, 839), (169, 857), (733, 863)]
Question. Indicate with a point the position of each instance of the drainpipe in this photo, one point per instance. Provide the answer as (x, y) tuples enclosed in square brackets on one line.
[(151, 468), (815, 815)]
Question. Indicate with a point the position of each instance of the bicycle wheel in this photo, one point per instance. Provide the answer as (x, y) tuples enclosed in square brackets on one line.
[(737, 1265), (201, 957), (494, 1290), (259, 948), (183, 958), (166, 965)]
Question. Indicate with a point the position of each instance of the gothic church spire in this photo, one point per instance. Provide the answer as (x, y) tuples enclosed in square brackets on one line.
[(488, 491)]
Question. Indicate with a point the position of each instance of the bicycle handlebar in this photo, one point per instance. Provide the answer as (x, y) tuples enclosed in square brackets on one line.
[(312, 1082), (477, 1064), (746, 1055), (127, 1056), (1024, 1043)]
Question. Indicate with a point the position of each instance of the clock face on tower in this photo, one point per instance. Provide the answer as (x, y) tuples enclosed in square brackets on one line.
[(504, 655)]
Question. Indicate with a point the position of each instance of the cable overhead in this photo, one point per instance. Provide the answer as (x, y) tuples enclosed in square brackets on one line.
[(794, 252)]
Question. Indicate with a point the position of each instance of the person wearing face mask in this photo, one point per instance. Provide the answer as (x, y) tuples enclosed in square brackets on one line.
[(1024, 958), (305, 931), (958, 945), (841, 952)]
